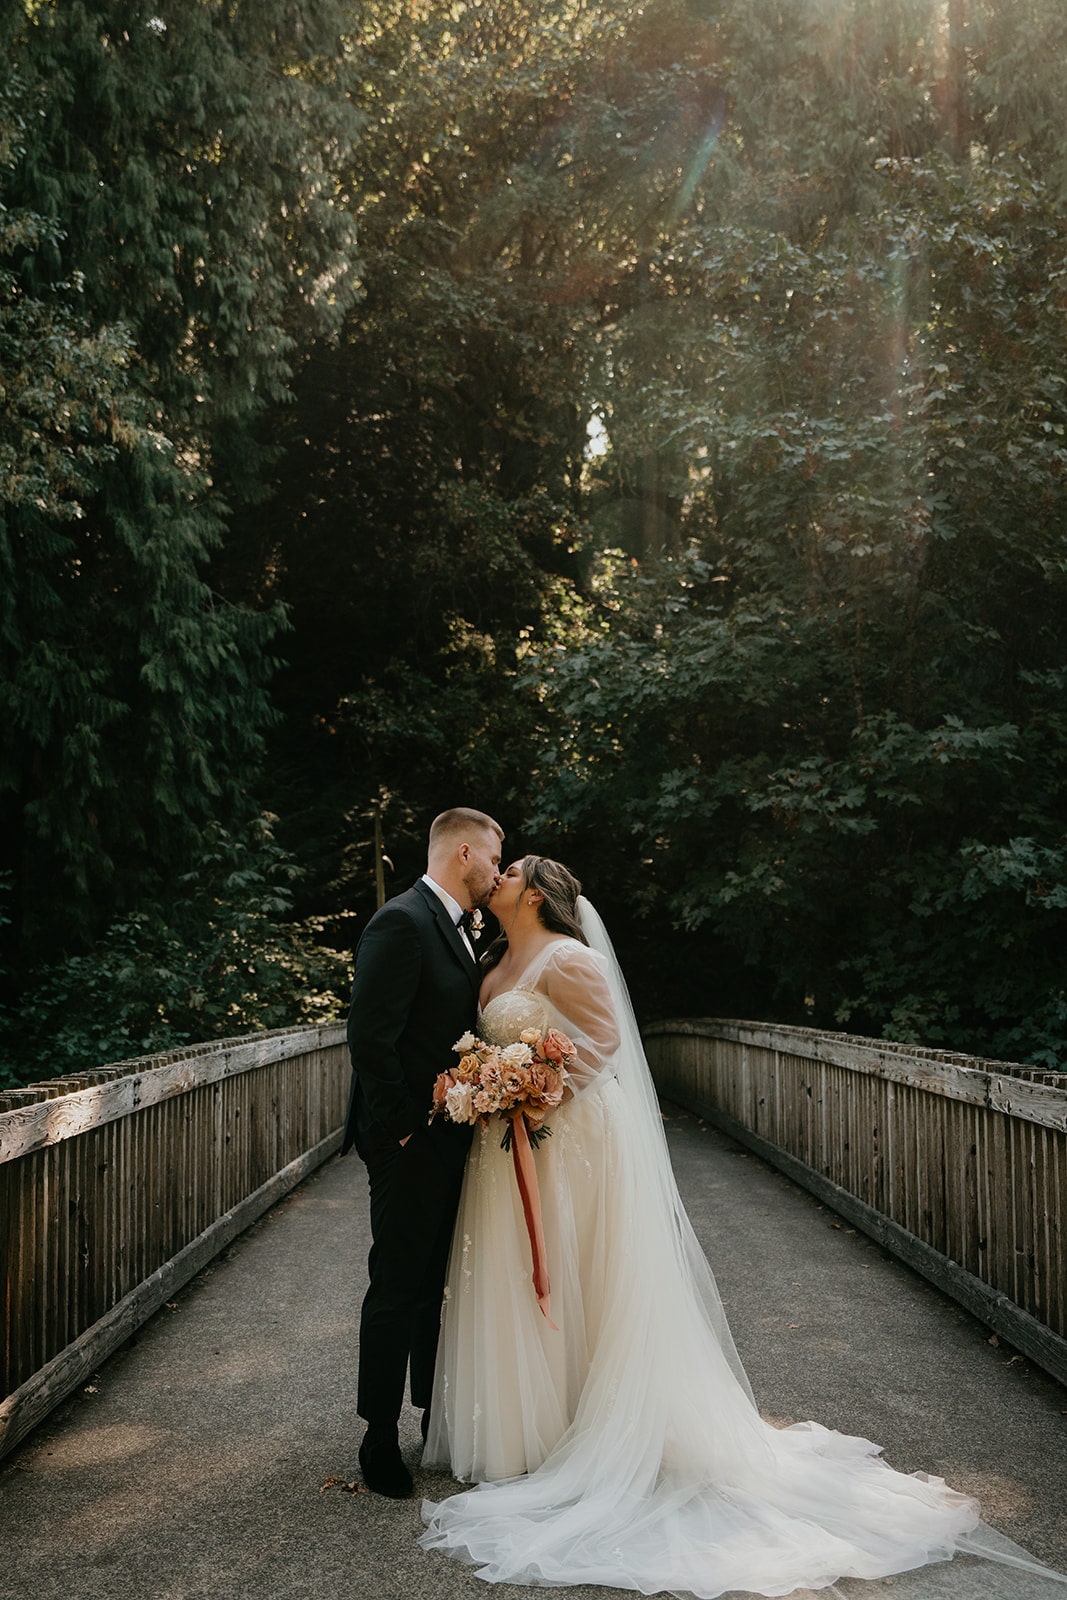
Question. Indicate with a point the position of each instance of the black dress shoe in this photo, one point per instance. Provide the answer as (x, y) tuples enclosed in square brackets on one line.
[(382, 1467)]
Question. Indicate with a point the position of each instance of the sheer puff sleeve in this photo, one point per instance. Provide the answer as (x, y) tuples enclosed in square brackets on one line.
[(574, 981)]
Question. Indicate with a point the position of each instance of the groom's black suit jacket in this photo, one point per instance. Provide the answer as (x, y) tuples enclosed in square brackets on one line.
[(415, 991)]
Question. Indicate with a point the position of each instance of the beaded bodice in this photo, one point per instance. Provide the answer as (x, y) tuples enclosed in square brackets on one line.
[(509, 1014)]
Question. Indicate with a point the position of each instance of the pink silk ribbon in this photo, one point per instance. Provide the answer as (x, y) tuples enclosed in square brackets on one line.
[(526, 1178)]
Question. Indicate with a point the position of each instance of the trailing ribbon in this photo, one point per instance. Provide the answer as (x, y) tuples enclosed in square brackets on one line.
[(526, 1178)]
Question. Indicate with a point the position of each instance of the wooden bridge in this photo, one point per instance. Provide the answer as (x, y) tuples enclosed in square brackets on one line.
[(116, 1187)]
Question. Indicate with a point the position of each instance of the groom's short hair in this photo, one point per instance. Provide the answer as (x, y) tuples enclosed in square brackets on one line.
[(461, 819)]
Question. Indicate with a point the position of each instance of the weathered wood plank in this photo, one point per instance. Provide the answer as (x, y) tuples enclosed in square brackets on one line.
[(42, 1122), (959, 1078)]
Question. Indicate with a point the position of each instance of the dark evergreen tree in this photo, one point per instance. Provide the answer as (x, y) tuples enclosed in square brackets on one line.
[(170, 235), (430, 521)]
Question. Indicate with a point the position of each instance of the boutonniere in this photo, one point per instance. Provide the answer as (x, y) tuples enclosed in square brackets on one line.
[(476, 923)]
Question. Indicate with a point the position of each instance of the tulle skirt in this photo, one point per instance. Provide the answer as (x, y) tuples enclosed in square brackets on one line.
[(623, 1447)]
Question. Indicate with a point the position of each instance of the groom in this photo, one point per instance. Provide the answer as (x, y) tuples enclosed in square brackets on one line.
[(414, 993)]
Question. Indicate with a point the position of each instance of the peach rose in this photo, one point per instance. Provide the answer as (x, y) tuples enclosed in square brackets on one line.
[(556, 1047), (442, 1084)]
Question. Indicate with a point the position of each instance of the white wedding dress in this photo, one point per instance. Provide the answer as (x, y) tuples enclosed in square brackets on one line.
[(625, 1448)]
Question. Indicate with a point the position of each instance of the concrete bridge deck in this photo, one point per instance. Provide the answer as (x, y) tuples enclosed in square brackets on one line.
[(214, 1458)]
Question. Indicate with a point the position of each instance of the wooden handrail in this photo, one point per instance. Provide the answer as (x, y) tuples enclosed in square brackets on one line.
[(117, 1186), (956, 1164)]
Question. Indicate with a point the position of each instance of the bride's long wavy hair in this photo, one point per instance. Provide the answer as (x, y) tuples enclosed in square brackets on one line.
[(559, 889)]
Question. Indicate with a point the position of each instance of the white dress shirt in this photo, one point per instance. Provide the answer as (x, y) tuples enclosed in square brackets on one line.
[(453, 907)]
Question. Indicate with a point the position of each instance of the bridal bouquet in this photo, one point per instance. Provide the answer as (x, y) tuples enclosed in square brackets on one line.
[(523, 1080)]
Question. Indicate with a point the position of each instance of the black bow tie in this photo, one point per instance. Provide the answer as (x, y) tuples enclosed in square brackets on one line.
[(466, 924)]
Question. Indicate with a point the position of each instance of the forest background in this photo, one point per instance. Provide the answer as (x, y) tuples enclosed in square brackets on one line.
[(643, 422)]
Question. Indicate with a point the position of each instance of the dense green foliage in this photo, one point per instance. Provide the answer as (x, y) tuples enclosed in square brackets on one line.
[(167, 239), (834, 735), (217, 959), (305, 314)]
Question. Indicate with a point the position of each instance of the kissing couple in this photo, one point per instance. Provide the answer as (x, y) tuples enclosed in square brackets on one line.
[(615, 1441)]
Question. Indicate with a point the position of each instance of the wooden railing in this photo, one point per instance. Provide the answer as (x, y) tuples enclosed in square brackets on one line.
[(958, 1165), (116, 1187)]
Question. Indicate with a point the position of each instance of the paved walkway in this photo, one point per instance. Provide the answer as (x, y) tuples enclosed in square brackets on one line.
[(212, 1457)]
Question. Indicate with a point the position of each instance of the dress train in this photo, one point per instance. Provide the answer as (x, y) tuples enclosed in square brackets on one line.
[(625, 1449)]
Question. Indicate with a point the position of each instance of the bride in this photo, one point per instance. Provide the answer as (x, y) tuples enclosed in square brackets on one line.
[(619, 1443)]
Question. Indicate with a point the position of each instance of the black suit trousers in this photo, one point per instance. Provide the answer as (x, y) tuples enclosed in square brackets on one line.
[(414, 1196)]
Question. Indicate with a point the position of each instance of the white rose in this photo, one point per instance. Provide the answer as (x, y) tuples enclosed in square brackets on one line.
[(459, 1103), (466, 1043)]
